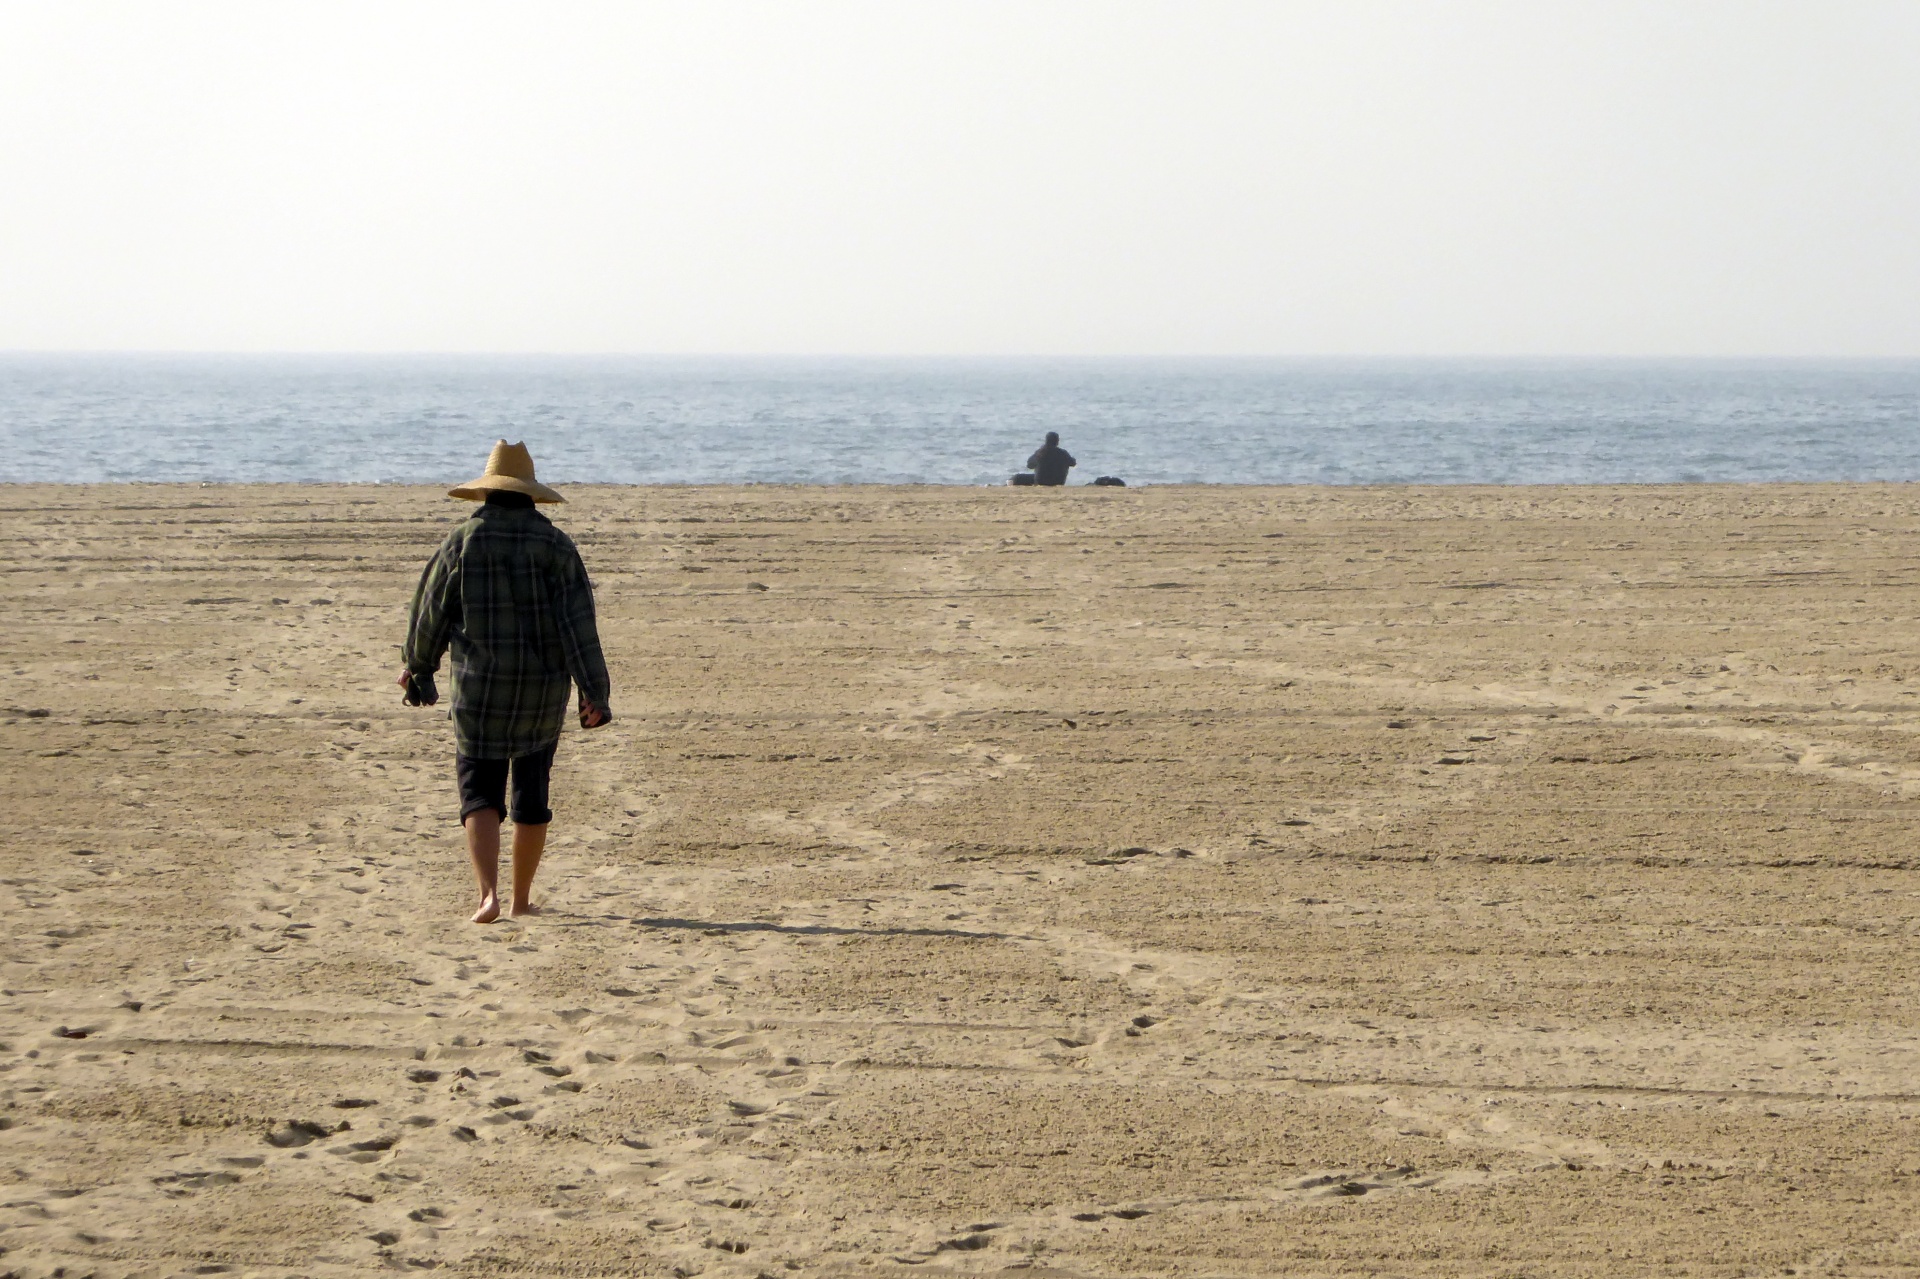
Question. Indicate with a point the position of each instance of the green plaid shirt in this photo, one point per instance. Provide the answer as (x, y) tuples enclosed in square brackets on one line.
[(508, 593)]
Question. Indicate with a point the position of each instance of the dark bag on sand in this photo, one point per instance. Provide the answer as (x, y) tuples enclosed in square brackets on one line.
[(1023, 480), (1110, 482)]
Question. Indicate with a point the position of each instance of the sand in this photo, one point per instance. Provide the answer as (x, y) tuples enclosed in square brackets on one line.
[(1098, 882)]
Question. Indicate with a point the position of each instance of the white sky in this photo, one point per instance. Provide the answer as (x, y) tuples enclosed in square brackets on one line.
[(1669, 177)]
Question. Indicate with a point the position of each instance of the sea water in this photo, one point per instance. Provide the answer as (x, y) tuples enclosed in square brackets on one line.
[(669, 420)]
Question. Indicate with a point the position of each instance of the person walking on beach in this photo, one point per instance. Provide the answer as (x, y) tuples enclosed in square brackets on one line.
[(508, 594), (1049, 462)]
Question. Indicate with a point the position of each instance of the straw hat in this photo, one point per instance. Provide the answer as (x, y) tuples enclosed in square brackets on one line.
[(509, 468)]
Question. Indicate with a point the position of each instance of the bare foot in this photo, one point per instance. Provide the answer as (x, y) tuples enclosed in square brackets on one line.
[(519, 911), (489, 910)]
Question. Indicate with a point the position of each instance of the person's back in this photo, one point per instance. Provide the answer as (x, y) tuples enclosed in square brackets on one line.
[(1049, 462), (515, 574)]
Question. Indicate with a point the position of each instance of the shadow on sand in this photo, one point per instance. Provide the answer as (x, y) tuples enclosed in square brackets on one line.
[(820, 930)]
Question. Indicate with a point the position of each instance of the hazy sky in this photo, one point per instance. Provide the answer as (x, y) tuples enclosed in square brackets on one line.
[(1432, 177)]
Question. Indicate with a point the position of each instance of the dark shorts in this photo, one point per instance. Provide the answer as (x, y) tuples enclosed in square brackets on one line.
[(483, 784)]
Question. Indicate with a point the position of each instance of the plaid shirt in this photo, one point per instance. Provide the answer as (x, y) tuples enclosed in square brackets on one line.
[(508, 593)]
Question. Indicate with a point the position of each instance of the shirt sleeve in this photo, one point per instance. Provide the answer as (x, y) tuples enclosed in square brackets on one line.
[(435, 610), (1070, 461), (579, 633), (1033, 461)]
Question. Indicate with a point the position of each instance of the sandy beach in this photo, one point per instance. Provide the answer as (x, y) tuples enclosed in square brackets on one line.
[(1092, 881)]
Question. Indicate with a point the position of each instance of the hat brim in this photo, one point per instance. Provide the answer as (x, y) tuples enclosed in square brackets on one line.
[(477, 490)]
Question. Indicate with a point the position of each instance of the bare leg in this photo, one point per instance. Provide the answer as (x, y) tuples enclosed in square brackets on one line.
[(483, 845), (528, 843)]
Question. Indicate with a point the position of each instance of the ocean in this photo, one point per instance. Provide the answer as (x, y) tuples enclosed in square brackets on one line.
[(731, 420)]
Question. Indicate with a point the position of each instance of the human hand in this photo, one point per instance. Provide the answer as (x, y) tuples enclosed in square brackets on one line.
[(592, 716), (412, 695)]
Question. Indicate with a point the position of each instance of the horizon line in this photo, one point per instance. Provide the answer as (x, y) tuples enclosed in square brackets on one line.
[(476, 353)]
